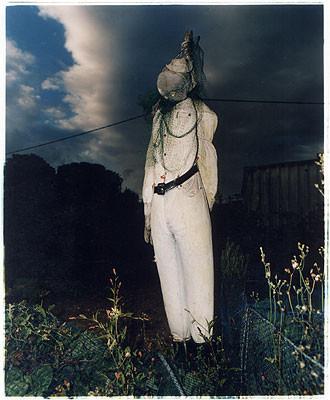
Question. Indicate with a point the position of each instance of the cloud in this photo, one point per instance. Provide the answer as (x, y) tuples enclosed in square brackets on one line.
[(22, 99), (27, 99), (89, 82), (99, 87), (261, 52), (17, 62), (54, 113), (53, 83)]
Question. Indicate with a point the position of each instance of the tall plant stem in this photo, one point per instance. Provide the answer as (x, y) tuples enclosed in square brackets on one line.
[(322, 296), (270, 302), (290, 302)]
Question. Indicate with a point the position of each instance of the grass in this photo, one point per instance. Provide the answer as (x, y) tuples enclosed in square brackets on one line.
[(98, 355)]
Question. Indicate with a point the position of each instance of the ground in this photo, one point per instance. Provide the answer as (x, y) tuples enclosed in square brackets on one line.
[(137, 299)]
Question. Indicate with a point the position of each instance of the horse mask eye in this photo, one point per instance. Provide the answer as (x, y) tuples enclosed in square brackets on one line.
[(173, 86)]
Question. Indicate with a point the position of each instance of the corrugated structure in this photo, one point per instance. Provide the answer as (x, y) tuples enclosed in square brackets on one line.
[(281, 191)]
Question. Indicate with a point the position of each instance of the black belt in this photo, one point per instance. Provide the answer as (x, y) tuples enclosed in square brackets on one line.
[(161, 188)]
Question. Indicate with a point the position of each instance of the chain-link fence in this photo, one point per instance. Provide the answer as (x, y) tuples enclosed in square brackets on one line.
[(62, 358), (271, 364)]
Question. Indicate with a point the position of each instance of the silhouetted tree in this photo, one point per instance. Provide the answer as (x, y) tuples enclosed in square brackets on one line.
[(29, 201), (69, 228)]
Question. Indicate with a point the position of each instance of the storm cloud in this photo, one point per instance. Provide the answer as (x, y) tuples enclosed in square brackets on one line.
[(251, 52)]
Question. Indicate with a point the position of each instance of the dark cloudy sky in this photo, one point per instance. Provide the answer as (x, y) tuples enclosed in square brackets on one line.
[(73, 68)]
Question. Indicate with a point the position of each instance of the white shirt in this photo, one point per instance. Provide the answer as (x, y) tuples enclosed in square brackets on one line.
[(177, 154)]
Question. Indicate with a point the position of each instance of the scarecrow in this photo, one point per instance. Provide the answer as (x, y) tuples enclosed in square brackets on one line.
[(179, 189)]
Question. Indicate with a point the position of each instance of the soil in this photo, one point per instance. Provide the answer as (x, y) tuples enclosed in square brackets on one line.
[(140, 298)]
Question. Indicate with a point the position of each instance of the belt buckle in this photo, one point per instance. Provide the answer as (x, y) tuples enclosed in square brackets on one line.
[(160, 188)]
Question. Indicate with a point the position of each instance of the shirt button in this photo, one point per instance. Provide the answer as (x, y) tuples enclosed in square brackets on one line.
[(164, 154)]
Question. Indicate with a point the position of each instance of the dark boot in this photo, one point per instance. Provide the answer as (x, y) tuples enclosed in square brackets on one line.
[(199, 351), (206, 349), (191, 349), (180, 354)]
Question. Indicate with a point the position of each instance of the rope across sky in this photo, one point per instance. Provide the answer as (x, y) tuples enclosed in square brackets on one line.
[(77, 134), (143, 115)]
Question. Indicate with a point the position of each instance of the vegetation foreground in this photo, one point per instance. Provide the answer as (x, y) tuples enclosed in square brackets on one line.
[(98, 355), (109, 354)]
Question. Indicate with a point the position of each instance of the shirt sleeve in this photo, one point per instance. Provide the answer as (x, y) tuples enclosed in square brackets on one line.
[(148, 182), (207, 155)]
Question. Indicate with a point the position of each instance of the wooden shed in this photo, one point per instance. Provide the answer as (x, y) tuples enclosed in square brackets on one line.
[(283, 190)]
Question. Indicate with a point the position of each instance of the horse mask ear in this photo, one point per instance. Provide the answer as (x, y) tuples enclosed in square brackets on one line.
[(184, 72)]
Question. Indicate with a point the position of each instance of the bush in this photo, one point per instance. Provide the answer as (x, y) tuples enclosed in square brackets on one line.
[(45, 357)]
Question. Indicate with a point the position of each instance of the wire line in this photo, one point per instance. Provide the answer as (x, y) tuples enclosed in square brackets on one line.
[(266, 101), (77, 134), (143, 115)]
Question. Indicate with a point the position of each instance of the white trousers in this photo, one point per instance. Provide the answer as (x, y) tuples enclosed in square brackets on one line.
[(182, 239)]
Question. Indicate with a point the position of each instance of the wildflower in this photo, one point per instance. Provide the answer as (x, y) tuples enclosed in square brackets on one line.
[(96, 392), (114, 312), (287, 270), (294, 263), (127, 354), (66, 384), (114, 271), (304, 308), (313, 373), (317, 277), (59, 389), (117, 375), (302, 364), (139, 354)]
